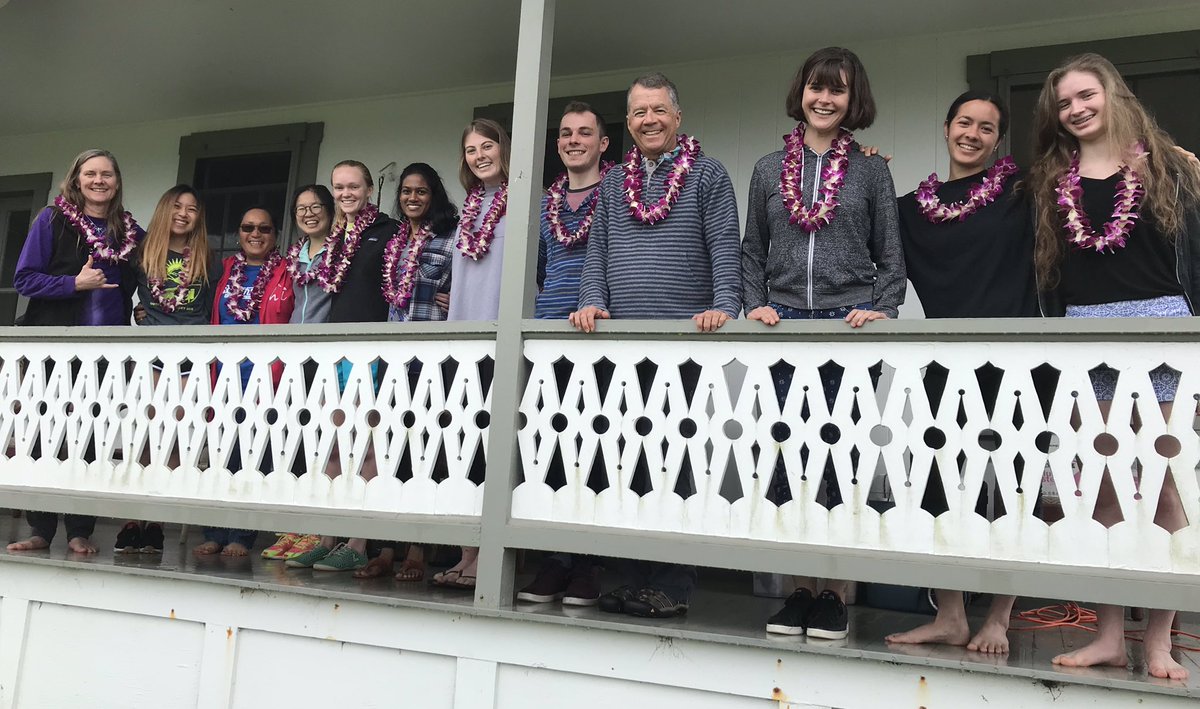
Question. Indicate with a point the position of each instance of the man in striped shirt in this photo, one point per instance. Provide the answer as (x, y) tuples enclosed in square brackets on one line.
[(566, 211), (650, 255)]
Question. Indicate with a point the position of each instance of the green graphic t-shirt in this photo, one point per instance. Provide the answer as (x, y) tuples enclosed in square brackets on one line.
[(196, 308)]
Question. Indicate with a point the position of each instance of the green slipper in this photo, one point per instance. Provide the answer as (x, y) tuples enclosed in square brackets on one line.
[(308, 558), (342, 558)]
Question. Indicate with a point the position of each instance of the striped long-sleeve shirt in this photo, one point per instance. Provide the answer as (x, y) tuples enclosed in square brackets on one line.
[(675, 268)]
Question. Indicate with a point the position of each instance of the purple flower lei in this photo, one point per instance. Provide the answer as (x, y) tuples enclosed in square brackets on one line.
[(158, 291), (980, 195), (400, 275), (475, 244), (101, 250), (237, 286), (682, 165), (813, 218), (554, 202), (340, 252), (293, 261), (1125, 208)]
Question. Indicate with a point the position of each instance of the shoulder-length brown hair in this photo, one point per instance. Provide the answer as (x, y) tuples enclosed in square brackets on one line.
[(488, 129), (69, 190), (824, 68), (1171, 184), (154, 248)]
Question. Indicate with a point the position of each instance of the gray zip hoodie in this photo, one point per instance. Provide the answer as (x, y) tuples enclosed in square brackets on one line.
[(856, 258)]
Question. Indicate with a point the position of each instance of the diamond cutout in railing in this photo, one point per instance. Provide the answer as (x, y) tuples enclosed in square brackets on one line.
[(689, 376), (563, 369), (781, 375), (779, 490), (486, 367), (646, 370), (731, 484), (449, 367), (935, 384), (603, 368), (989, 377), (478, 470), (685, 483), (556, 474), (597, 480), (831, 372), (641, 484)]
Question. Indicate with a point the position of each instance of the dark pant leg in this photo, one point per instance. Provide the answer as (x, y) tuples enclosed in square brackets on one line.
[(44, 524), (216, 535), (245, 537), (79, 526), (676, 580)]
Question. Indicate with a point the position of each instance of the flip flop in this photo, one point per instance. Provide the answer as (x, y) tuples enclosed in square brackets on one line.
[(445, 579), (459, 585)]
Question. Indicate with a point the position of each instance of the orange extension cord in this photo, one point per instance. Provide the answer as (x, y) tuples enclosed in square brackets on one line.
[(1073, 615)]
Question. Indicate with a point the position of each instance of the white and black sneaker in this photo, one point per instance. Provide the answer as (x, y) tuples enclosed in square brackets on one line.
[(792, 619), (828, 619)]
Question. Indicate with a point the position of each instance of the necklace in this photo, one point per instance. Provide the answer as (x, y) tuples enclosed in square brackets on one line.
[(101, 250), (158, 290), (475, 244), (980, 194), (340, 253), (400, 274), (555, 199), (833, 174), (244, 310), (1126, 201), (305, 277), (689, 150)]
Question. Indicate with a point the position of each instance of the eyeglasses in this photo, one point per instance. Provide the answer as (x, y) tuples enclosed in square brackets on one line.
[(260, 228), (313, 209)]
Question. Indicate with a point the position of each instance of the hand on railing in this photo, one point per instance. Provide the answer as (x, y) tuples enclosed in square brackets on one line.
[(139, 314), (710, 320), (91, 278), (585, 319), (858, 318), (765, 314)]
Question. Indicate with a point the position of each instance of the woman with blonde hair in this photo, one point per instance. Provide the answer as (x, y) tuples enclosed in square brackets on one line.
[(1118, 232), (74, 269)]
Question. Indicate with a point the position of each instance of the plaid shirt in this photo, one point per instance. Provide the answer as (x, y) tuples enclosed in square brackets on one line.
[(433, 277)]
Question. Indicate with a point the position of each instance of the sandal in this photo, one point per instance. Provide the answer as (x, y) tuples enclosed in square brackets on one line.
[(411, 571), (445, 578), (462, 583)]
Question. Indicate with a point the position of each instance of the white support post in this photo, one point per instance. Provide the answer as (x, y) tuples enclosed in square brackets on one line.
[(14, 628), (217, 666), (534, 46)]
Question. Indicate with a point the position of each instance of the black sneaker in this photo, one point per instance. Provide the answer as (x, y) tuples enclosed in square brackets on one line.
[(792, 619), (129, 539), (583, 588), (614, 601), (828, 620), (549, 585), (152, 538), (653, 603)]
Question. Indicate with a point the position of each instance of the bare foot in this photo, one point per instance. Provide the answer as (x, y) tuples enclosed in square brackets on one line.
[(81, 545), (991, 638), (411, 571), (234, 549), (943, 632), (1100, 652), (31, 544), (207, 548), (1159, 663), (378, 566)]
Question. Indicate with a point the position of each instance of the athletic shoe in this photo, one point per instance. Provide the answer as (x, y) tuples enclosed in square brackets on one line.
[(654, 603), (303, 545), (583, 589), (342, 558), (793, 617), (281, 546), (828, 619), (308, 558), (549, 585), (129, 539), (152, 538), (614, 601)]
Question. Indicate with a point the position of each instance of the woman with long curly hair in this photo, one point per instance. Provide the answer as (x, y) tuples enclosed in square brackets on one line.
[(1118, 232)]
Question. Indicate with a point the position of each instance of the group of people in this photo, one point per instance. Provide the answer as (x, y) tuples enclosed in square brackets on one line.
[(1104, 223)]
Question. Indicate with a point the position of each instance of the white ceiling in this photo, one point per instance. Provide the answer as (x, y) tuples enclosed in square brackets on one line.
[(76, 63)]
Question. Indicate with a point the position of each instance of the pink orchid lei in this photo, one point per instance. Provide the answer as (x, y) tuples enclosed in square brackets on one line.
[(237, 286), (400, 274), (475, 244), (293, 262), (980, 195), (339, 253), (833, 174), (682, 165), (1125, 208), (101, 250), (557, 196), (158, 288)]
